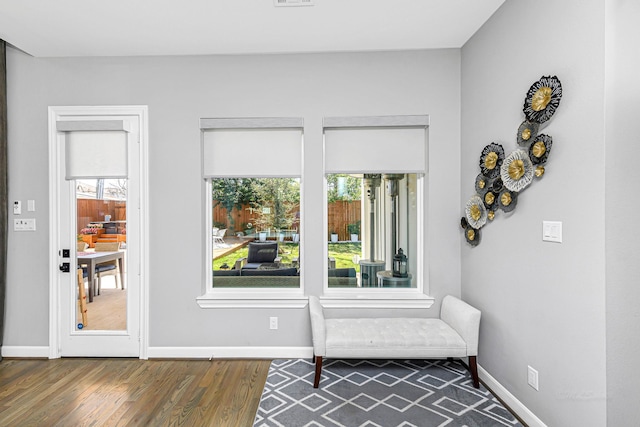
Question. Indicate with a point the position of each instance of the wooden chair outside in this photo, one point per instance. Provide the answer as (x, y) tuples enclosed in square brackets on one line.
[(218, 238), (214, 235), (82, 299), (107, 268)]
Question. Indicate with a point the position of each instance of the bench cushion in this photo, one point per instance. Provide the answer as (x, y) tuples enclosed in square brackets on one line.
[(392, 338)]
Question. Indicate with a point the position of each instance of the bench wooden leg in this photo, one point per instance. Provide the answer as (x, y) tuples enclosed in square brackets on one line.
[(316, 380), (473, 367)]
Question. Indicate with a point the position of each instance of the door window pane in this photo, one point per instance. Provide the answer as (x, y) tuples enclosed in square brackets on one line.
[(101, 222)]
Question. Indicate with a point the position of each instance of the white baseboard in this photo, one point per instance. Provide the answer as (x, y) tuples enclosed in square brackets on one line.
[(185, 352), (509, 399), (230, 352), (36, 352)]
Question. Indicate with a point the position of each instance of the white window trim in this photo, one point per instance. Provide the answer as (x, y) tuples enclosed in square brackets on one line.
[(401, 298), (251, 297)]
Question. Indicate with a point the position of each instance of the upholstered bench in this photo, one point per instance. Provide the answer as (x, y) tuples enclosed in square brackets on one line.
[(453, 335)]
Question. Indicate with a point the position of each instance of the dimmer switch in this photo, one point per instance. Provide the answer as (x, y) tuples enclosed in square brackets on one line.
[(552, 231)]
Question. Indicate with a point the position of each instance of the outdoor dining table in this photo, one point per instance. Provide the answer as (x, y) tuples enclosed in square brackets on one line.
[(92, 259)]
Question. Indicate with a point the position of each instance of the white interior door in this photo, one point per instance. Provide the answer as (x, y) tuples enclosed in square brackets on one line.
[(97, 228)]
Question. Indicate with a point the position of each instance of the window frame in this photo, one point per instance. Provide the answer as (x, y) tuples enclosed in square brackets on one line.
[(417, 297), (249, 297)]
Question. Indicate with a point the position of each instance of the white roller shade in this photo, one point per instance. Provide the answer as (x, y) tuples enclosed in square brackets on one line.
[(96, 154), (376, 144), (252, 152)]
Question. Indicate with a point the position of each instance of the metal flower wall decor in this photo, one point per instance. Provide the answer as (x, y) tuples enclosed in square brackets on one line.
[(502, 178)]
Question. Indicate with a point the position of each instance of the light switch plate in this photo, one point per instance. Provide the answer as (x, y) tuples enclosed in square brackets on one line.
[(24, 224), (532, 377), (552, 231)]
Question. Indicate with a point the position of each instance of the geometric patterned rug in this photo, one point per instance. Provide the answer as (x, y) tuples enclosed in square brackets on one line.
[(377, 393)]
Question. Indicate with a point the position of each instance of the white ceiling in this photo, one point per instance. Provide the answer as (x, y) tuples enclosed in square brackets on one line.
[(49, 28)]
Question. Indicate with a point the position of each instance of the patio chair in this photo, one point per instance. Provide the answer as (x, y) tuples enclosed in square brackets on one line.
[(107, 268), (82, 297), (259, 253), (290, 271), (218, 238)]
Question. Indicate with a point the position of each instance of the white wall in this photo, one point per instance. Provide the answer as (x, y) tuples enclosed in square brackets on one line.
[(181, 90), (622, 144), (543, 303)]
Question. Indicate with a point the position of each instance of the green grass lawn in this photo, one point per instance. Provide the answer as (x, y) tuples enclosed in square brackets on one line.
[(344, 254)]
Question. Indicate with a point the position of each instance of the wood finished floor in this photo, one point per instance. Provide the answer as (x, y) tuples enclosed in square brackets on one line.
[(130, 392)]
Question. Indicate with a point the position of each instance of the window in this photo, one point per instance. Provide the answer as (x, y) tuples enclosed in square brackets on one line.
[(375, 172), (256, 232), (372, 218), (252, 170)]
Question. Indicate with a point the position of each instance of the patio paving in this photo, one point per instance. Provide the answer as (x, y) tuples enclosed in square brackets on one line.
[(231, 244)]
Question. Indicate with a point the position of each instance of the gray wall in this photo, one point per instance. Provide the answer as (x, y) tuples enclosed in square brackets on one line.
[(543, 303), (181, 90), (622, 147)]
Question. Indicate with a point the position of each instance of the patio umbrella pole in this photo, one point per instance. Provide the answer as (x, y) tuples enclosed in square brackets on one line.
[(372, 182), (369, 267), (372, 232), (392, 189)]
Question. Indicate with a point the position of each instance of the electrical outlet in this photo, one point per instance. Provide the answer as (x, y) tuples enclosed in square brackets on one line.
[(273, 323), (532, 377)]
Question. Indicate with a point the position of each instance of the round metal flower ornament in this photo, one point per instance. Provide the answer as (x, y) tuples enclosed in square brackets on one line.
[(540, 149), (463, 223), (482, 184), (526, 133), (490, 200), (517, 171), (542, 99), (472, 235), (476, 212), (507, 200), (491, 160), (496, 185)]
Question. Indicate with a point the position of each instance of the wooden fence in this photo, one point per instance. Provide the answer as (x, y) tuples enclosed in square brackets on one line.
[(92, 210), (241, 217), (341, 214)]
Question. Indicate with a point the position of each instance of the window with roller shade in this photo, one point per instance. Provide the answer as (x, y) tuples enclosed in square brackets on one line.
[(252, 171), (375, 171)]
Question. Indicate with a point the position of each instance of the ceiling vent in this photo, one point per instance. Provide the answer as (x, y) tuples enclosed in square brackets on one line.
[(293, 3)]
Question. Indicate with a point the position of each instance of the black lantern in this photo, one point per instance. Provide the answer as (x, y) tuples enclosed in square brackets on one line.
[(400, 264)]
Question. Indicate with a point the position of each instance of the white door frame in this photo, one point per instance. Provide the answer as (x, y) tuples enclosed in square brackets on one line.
[(60, 112)]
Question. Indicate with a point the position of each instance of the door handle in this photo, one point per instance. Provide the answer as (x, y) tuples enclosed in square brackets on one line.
[(64, 267)]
